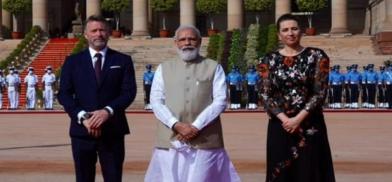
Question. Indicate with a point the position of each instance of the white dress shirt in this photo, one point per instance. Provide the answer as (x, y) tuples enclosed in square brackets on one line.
[(163, 113)]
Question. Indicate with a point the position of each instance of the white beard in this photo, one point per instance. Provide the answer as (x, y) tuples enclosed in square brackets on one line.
[(188, 55)]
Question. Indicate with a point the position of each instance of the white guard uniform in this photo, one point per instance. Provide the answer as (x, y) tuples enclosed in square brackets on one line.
[(2, 85), (31, 80), (48, 80), (13, 82)]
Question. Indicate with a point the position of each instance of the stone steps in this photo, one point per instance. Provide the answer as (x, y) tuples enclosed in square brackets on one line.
[(357, 49)]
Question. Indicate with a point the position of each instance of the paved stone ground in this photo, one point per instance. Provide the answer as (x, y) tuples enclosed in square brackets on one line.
[(35, 147)]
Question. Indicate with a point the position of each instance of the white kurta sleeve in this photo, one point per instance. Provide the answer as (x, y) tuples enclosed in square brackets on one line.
[(157, 100), (219, 102)]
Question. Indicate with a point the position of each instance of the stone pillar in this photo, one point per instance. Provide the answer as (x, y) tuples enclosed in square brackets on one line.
[(384, 37), (140, 18), (93, 7), (235, 13), (282, 7), (1, 22), (387, 24), (40, 14), (187, 12), (339, 17), (6, 18)]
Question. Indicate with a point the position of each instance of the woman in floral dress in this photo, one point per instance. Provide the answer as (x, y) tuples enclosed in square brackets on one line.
[(295, 81)]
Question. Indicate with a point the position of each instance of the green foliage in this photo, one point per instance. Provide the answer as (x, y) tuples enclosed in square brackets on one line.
[(211, 6), (221, 46), (20, 47), (163, 5), (273, 40), (17, 7), (311, 5), (115, 6), (213, 46), (81, 45), (237, 50), (258, 5), (252, 44), (6, 32), (262, 41)]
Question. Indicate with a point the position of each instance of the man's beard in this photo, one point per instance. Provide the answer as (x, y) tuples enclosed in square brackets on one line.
[(188, 53)]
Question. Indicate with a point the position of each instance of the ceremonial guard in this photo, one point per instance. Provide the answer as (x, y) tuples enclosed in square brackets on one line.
[(330, 93), (252, 79), (31, 81), (48, 81), (382, 101), (388, 85), (371, 80), (336, 80), (354, 81), (2, 88), (364, 98), (234, 79), (13, 86), (148, 76), (347, 91)]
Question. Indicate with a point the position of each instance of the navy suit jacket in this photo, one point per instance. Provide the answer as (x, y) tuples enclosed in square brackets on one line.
[(79, 90)]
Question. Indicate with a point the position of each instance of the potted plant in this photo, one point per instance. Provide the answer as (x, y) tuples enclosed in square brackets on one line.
[(258, 6), (211, 7), (309, 7), (116, 7), (163, 6), (17, 8)]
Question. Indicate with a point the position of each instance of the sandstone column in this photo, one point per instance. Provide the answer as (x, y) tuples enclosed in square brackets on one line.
[(93, 7), (6, 18), (140, 18), (40, 14), (282, 7), (1, 22), (387, 24), (235, 15), (187, 12), (339, 17), (384, 36)]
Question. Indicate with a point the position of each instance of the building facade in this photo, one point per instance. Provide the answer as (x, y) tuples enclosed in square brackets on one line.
[(339, 17)]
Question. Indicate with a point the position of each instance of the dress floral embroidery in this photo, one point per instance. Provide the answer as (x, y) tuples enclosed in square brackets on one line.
[(292, 84)]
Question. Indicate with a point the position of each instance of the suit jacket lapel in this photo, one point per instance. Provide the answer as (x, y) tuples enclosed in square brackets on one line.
[(109, 61)]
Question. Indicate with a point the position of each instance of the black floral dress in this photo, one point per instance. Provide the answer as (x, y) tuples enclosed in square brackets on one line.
[(292, 84)]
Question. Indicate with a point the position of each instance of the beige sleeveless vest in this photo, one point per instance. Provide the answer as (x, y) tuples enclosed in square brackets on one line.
[(188, 91)]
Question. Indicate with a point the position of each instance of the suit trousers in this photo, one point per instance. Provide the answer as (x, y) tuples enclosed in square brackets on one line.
[(110, 152)]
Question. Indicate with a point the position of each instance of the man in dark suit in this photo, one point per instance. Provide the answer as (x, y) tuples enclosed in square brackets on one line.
[(96, 87)]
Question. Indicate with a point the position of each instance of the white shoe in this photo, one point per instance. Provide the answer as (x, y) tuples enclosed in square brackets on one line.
[(339, 105)]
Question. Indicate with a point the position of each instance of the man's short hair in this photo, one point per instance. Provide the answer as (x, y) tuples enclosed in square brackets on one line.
[(183, 27), (98, 18)]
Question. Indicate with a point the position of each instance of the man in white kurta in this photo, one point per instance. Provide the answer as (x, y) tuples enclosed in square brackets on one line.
[(48, 81), (187, 97), (13, 81), (31, 81)]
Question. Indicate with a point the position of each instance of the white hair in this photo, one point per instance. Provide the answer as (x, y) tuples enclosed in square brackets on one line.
[(184, 27)]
